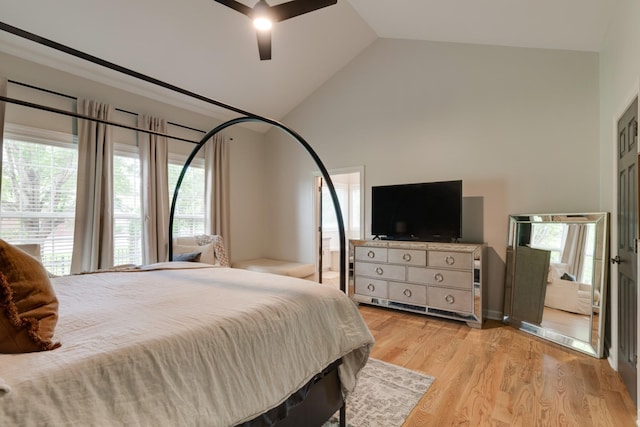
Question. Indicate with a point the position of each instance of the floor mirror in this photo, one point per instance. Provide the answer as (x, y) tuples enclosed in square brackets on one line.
[(557, 274)]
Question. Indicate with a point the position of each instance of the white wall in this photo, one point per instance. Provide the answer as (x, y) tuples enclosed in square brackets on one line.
[(246, 154), (519, 126)]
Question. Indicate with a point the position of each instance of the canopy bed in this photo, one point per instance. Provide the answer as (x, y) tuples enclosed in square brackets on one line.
[(180, 342)]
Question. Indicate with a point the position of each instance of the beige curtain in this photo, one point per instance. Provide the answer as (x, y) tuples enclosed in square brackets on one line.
[(155, 190), (93, 232), (217, 201), (3, 92), (574, 248)]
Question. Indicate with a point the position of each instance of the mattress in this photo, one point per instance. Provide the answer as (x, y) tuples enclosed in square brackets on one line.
[(276, 266), (181, 344)]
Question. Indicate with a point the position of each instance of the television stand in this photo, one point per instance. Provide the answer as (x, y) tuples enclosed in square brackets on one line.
[(401, 239), (437, 279)]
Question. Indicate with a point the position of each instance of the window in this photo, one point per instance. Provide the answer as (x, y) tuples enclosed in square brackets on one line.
[(354, 211), (37, 204), (188, 219), (347, 188), (127, 216), (587, 273), (329, 218), (38, 196), (550, 237)]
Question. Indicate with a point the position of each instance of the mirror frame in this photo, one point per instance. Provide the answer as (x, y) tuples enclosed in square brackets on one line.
[(601, 219)]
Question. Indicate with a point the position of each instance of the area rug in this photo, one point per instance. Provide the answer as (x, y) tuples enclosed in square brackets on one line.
[(384, 396)]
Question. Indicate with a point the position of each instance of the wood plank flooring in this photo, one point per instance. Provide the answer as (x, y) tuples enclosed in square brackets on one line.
[(498, 376)]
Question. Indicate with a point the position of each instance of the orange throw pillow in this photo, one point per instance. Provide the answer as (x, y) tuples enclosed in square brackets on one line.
[(28, 304)]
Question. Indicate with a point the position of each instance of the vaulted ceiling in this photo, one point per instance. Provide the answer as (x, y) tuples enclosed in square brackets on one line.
[(209, 49)]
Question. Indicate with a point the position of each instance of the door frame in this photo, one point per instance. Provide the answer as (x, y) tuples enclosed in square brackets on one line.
[(318, 214), (613, 355)]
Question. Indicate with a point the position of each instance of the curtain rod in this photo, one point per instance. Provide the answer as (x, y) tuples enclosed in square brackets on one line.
[(131, 73), (93, 119), (75, 98), (248, 117)]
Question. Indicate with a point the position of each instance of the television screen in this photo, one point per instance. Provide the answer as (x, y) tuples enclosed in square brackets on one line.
[(430, 211)]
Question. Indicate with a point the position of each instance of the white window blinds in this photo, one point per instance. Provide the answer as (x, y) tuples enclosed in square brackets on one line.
[(127, 216), (37, 204), (189, 214)]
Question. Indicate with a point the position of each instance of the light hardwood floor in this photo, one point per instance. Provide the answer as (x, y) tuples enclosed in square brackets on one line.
[(498, 376)]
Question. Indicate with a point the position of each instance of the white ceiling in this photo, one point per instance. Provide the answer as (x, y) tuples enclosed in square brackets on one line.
[(209, 49)]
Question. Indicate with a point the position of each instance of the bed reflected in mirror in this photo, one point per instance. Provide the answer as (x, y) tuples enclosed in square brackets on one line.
[(557, 276)]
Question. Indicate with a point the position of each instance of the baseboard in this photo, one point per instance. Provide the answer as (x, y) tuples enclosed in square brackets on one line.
[(494, 315)]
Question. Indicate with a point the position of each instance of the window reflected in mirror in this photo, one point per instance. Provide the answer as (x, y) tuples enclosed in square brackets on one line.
[(556, 277)]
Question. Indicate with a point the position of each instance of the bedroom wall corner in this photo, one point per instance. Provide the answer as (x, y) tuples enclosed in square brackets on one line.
[(507, 121)]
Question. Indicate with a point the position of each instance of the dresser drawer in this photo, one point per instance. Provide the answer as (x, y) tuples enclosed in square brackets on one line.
[(406, 292), (408, 257), (441, 277), (380, 271), (364, 253), (461, 260), (450, 299), (371, 287)]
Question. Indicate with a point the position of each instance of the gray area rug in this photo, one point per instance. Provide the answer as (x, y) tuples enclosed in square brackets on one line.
[(384, 396)]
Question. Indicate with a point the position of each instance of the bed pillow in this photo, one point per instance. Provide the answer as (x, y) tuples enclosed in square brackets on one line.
[(207, 252), (190, 257), (28, 304), (218, 247)]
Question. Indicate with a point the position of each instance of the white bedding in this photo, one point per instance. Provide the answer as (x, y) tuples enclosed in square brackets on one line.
[(198, 345)]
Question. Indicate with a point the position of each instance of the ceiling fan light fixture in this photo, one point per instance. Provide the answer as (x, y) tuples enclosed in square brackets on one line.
[(262, 23), (263, 16)]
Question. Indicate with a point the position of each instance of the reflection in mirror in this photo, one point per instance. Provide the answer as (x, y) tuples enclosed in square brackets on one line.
[(557, 276)]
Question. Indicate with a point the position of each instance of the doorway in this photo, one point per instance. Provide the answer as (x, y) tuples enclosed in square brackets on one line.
[(348, 184), (625, 255)]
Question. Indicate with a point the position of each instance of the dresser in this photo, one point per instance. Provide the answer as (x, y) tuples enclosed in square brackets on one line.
[(438, 279)]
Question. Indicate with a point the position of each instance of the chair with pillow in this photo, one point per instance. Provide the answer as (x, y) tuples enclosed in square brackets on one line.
[(32, 249), (204, 248)]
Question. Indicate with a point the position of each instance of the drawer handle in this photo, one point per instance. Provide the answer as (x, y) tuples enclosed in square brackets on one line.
[(371, 254), (450, 299), (438, 277), (407, 293), (406, 257), (371, 287), (449, 260), (379, 270)]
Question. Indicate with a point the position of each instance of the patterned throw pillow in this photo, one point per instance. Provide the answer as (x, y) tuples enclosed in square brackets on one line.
[(220, 253), (28, 304)]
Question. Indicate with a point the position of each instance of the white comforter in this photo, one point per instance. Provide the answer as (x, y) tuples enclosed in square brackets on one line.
[(190, 346)]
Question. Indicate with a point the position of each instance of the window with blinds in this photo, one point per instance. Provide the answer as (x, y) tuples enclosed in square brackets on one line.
[(38, 196), (189, 213), (37, 202), (127, 212)]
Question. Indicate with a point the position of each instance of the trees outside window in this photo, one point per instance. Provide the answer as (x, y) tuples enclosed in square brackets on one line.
[(37, 204), (189, 213), (38, 197)]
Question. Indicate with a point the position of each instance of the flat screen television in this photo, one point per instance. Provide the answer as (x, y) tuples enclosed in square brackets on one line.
[(430, 211)]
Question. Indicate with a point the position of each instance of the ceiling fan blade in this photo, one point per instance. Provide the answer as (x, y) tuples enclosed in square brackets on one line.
[(237, 6), (293, 8), (264, 44)]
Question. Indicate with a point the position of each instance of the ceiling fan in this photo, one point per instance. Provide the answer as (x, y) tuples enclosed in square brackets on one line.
[(264, 16)]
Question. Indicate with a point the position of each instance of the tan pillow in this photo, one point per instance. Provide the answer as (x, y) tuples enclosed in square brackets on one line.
[(28, 304)]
